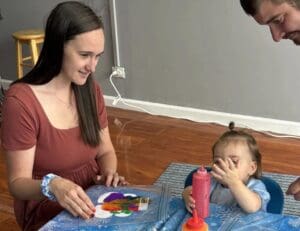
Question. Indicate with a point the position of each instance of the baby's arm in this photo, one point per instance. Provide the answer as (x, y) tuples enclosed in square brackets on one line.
[(227, 174), (188, 199), (248, 200)]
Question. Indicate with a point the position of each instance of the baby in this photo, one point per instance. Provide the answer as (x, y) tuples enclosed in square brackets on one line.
[(235, 174)]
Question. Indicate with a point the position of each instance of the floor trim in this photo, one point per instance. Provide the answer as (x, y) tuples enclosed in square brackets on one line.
[(289, 128)]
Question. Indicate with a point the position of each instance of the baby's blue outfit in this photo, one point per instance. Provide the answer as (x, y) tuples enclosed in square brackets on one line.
[(222, 196)]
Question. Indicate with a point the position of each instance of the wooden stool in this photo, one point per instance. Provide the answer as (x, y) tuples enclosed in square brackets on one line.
[(32, 38)]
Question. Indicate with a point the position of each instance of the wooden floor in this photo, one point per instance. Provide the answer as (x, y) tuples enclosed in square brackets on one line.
[(147, 144)]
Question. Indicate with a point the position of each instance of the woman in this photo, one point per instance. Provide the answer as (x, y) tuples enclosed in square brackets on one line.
[(55, 130)]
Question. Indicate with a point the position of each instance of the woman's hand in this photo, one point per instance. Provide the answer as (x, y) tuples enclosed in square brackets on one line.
[(72, 197), (188, 199), (111, 179)]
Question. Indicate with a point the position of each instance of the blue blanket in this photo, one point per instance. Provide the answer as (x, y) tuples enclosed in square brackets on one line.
[(168, 213)]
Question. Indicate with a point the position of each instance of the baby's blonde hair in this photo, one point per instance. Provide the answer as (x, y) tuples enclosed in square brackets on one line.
[(235, 135)]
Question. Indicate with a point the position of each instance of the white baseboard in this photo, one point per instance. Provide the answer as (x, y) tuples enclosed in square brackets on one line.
[(289, 128)]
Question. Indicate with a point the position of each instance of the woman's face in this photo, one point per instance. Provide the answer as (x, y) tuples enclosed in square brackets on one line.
[(81, 56)]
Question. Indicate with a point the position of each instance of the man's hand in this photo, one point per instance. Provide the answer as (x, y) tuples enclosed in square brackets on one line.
[(294, 189)]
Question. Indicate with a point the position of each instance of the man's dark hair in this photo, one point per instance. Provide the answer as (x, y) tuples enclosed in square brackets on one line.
[(251, 7)]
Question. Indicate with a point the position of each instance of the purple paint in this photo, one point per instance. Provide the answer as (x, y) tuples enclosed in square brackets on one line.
[(114, 196)]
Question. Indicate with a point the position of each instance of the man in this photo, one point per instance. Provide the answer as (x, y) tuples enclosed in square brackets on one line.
[(283, 19)]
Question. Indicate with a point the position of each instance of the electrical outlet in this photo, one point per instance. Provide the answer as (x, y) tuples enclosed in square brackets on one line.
[(120, 72)]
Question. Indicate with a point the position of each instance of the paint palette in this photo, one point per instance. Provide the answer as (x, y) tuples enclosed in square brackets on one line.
[(120, 204)]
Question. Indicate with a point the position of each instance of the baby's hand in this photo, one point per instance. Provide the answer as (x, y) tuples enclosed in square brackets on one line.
[(188, 199), (225, 172)]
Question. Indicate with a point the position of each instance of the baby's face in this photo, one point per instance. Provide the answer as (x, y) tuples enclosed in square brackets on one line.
[(240, 155)]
